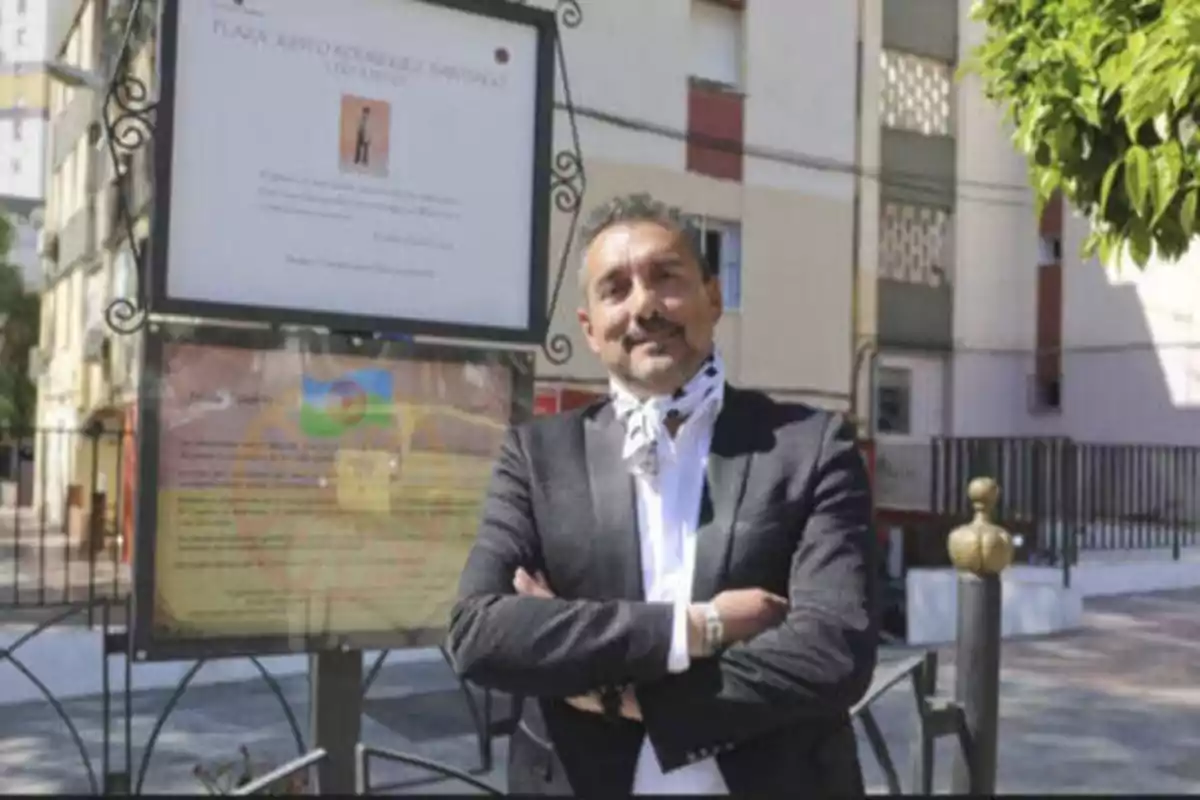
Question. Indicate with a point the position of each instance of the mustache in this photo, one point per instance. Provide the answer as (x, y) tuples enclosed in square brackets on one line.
[(647, 327)]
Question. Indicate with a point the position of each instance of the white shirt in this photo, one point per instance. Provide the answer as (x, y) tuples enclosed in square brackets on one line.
[(668, 514)]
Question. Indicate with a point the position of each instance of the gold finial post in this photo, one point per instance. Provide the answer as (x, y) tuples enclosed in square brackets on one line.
[(981, 546), (980, 551)]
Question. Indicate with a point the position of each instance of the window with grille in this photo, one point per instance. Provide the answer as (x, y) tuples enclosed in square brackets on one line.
[(916, 94), (915, 244), (893, 401)]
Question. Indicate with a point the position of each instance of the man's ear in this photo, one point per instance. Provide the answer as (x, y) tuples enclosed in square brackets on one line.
[(585, 324), (716, 298)]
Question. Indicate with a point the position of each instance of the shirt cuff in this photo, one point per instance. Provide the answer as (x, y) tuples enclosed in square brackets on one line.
[(678, 658)]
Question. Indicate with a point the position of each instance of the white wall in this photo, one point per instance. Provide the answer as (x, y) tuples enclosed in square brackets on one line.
[(798, 78), (32, 44), (24, 253), (995, 286), (21, 173), (800, 88), (1133, 374)]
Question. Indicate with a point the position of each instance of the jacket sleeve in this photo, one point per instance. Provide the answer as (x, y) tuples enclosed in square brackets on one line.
[(818, 662), (542, 647)]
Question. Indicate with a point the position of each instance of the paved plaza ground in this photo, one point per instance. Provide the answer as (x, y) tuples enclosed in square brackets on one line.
[(1112, 709)]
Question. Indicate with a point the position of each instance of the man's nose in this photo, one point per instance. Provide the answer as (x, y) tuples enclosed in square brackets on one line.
[(644, 300)]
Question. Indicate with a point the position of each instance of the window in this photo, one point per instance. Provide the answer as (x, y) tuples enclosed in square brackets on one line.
[(721, 247), (20, 37), (893, 401), (17, 133), (14, 166), (1045, 394), (916, 94), (716, 42), (1049, 251), (916, 243), (22, 6)]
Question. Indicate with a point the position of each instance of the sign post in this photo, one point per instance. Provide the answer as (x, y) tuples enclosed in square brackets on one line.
[(322, 166)]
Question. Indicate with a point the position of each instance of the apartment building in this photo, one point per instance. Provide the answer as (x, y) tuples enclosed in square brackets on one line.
[(870, 221), (86, 373), (764, 120), (25, 32)]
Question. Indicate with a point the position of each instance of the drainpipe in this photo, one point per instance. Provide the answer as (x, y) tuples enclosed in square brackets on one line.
[(856, 221)]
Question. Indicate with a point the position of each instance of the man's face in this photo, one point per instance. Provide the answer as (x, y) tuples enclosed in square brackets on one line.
[(649, 312)]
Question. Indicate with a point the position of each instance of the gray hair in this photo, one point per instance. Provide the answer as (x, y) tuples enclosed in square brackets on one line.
[(640, 207)]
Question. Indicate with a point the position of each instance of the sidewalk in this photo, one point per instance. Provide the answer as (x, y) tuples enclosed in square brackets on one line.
[(1113, 709)]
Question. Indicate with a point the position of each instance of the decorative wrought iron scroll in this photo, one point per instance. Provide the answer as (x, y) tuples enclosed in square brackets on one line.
[(129, 128), (567, 182)]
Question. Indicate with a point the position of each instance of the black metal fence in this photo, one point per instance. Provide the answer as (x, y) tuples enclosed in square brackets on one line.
[(66, 517), (1062, 497)]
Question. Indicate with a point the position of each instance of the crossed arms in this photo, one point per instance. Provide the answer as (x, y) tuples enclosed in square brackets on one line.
[(816, 663)]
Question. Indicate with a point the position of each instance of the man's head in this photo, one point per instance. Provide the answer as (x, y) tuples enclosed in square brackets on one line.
[(650, 301)]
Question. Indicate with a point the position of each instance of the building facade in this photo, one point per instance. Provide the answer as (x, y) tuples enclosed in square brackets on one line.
[(989, 322), (871, 224), (25, 35), (86, 374)]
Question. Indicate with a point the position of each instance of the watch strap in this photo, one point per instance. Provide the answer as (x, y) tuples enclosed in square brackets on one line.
[(714, 630)]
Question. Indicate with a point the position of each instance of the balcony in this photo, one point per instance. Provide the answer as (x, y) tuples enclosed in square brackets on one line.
[(922, 27), (77, 240), (916, 257), (72, 124)]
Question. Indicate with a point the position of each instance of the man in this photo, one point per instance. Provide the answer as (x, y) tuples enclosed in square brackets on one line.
[(682, 575), (362, 139)]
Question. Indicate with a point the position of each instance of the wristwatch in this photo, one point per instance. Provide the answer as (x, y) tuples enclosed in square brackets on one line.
[(714, 630)]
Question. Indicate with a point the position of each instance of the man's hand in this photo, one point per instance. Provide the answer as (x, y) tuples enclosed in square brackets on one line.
[(591, 703), (536, 585), (745, 613)]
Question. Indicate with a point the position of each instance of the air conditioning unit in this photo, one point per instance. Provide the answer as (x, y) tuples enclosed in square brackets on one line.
[(37, 364), (95, 341), (49, 247)]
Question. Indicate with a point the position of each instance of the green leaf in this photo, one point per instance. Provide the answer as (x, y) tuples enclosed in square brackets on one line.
[(1138, 174), (1166, 178), (1181, 84), (1140, 244), (1107, 247), (1187, 212), (1110, 175), (1102, 95)]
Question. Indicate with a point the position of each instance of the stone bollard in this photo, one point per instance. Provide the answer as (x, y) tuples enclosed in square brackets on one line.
[(980, 551)]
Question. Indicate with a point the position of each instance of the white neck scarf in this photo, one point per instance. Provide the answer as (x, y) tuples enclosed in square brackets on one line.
[(645, 420)]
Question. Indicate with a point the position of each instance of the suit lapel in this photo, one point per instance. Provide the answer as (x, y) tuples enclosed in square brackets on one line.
[(728, 463), (614, 505)]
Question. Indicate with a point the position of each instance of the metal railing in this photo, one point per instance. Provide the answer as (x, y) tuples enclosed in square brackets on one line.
[(1062, 499), (66, 517)]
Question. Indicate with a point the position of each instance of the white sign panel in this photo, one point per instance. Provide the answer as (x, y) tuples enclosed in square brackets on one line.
[(366, 158)]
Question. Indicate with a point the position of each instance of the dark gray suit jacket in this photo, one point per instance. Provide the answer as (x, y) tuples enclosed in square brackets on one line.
[(787, 508)]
